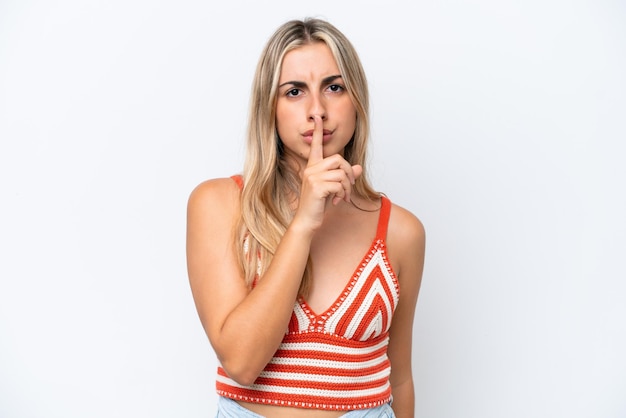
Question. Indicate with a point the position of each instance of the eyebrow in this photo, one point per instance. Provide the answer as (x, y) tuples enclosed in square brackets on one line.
[(300, 84)]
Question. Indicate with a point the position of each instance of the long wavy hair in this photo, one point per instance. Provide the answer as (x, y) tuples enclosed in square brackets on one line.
[(269, 181)]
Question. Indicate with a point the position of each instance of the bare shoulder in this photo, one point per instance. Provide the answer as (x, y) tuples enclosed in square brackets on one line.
[(209, 192), (406, 238), (404, 226), (212, 211)]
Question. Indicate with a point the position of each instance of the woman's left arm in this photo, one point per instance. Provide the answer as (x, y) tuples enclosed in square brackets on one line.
[(406, 244)]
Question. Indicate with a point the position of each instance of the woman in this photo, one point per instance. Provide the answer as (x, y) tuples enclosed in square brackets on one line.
[(298, 266)]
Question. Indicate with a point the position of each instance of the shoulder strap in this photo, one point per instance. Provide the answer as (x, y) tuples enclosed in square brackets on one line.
[(383, 218), (238, 179)]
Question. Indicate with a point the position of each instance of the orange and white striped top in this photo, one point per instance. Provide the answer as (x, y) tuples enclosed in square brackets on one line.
[(336, 360)]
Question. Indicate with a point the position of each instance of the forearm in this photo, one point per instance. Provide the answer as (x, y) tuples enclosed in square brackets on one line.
[(252, 332)]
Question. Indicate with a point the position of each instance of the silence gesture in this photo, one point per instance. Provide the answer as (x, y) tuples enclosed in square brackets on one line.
[(324, 180)]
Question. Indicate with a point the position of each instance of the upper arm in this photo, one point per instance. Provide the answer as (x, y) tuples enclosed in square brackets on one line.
[(215, 276), (406, 245)]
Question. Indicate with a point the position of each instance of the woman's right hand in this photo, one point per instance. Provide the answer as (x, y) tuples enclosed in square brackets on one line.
[(324, 180)]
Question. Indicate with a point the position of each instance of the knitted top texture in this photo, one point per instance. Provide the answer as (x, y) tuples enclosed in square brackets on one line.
[(335, 360)]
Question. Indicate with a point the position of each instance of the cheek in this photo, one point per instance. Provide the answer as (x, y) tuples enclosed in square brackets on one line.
[(347, 109), (349, 115), (283, 117)]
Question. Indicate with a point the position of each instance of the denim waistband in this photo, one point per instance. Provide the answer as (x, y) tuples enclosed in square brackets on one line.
[(227, 408)]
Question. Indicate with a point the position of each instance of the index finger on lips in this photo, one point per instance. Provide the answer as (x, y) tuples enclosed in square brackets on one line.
[(316, 153)]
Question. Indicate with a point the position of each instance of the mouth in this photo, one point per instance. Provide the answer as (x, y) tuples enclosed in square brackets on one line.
[(310, 132), (308, 135)]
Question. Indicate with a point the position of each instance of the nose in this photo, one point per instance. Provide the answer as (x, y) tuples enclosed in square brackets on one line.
[(317, 107)]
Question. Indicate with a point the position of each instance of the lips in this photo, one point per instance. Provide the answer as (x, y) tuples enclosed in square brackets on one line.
[(308, 135), (310, 132)]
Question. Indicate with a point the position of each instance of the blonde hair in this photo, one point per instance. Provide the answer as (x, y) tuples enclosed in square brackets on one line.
[(268, 180)]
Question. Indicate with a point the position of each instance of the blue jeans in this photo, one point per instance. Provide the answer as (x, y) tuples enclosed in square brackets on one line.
[(227, 408)]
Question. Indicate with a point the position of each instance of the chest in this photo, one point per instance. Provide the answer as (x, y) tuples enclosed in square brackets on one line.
[(362, 310), (336, 252)]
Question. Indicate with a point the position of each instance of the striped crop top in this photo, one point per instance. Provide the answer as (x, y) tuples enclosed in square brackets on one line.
[(336, 360)]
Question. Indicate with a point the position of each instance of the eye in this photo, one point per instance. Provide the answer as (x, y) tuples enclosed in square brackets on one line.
[(293, 92), (336, 88)]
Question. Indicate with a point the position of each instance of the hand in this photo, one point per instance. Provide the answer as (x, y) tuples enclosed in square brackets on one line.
[(324, 180)]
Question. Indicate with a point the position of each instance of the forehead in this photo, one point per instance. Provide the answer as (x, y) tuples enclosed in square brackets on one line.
[(308, 62)]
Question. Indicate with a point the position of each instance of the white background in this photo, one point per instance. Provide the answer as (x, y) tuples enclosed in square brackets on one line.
[(501, 124)]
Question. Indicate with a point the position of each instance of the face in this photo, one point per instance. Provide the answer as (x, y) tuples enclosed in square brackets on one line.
[(310, 84)]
